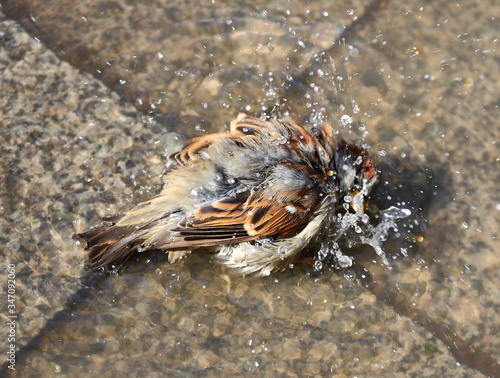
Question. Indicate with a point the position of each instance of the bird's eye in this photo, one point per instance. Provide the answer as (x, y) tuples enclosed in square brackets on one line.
[(329, 173)]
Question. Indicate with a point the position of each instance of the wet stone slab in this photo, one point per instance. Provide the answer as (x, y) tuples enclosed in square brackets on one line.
[(209, 52), (73, 150)]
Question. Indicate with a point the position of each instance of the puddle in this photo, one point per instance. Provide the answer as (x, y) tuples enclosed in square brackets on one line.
[(75, 148)]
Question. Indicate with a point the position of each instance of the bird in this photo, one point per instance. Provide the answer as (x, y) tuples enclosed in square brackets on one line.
[(258, 194)]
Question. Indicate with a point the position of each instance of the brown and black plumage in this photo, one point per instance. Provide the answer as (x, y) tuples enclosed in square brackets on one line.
[(260, 193)]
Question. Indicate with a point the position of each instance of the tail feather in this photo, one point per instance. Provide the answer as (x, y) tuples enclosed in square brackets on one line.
[(113, 244), (108, 234)]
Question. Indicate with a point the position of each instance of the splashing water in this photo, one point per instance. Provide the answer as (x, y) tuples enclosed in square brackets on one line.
[(364, 232), (379, 233)]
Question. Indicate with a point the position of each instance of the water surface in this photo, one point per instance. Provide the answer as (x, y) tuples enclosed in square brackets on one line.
[(90, 113)]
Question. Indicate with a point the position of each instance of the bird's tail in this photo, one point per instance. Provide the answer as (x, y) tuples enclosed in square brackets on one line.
[(112, 244)]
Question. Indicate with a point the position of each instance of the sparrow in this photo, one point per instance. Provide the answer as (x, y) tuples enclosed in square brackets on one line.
[(259, 194)]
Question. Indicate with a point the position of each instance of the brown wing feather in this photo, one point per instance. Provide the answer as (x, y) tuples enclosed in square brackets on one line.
[(243, 126), (266, 219), (266, 212), (270, 218)]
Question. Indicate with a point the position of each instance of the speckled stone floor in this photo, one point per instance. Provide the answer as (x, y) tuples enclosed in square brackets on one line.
[(94, 96)]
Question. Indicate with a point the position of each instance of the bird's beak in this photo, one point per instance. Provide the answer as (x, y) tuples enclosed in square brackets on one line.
[(358, 203)]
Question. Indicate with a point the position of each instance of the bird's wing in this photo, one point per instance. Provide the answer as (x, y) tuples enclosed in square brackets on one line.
[(280, 207), (243, 126)]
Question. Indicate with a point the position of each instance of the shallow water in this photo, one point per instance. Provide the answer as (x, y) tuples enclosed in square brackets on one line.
[(88, 123)]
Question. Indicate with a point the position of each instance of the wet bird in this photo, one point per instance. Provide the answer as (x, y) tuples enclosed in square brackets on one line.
[(259, 194)]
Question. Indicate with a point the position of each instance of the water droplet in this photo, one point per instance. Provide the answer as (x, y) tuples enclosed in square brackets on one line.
[(344, 261), (354, 52), (318, 265), (349, 275), (346, 120)]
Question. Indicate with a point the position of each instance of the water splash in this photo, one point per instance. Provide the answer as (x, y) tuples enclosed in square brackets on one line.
[(379, 233), (356, 229)]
